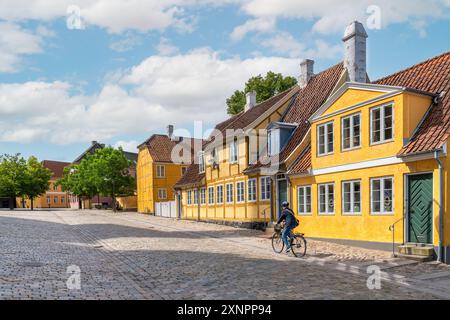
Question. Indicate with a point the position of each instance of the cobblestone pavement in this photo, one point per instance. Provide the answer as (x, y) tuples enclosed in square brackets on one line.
[(132, 256)]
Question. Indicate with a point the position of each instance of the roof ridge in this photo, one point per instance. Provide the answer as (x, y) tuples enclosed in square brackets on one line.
[(413, 66)]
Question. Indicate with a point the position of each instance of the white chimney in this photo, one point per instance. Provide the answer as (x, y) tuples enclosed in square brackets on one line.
[(251, 100), (355, 58), (306, 72), (170, 131)]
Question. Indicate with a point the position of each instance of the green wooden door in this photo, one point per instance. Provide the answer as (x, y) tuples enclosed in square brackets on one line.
[(282, 194), (420, 208)]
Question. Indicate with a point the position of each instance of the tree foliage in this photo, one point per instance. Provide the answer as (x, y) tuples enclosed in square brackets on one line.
[(265, 88), (12, 177), (36, 180)]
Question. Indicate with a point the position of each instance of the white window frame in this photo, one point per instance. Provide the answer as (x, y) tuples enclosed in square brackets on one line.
[(211, 199), (160, 171), (203, 196), (252, 196), (195, 196), (240, 191), (382, 128), (263, 193), (327, 193), (189, 197), (305, 202), (219, 200), (352, 211), (324, 125), (229, 197), (352, 132), (382, 212), (273, 142), (49, 200), (201, 162), (162, 193), (233, 151)]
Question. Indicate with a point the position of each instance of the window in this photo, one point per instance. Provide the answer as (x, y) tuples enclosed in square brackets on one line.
[(265, 188), (273, 142), (325, 137), (203, 196), (351, 132), (48, 200), (55, 200), (351, 197), (229, 190), (219, 194), (382, 196), (189, 197), (233, 151), (240, 191), (382, 124), (183, 170), (211, 195), (63, 200), (162, 193), (304, 200), (195, 196), (201, 162), (326, 198), (251, 189), (160, 171), (55, 188)]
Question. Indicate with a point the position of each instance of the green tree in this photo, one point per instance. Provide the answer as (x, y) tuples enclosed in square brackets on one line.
[(36, 180), (12, 177), (110, 171), (265, 88)]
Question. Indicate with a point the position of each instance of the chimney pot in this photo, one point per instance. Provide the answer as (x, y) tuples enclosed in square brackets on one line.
[(251, 100), (306, 72), (355, 59)]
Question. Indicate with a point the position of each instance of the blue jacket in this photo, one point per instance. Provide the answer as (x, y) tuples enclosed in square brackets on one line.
[(288, 215)]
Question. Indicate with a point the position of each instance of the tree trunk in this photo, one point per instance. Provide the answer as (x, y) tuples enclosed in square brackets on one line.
[(114, 206), (32, 204), (12, 199), (23, 202)]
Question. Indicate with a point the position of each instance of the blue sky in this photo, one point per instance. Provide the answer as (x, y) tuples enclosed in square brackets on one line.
[(136, 66)]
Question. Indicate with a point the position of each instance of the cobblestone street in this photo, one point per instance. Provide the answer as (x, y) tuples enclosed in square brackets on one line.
[(131, 256)]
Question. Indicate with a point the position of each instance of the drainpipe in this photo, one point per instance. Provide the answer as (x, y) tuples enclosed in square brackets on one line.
[(441, 187)]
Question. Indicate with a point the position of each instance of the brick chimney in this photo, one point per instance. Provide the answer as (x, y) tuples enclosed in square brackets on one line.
[(355, 58), (306, 72), (170, 131), (251, 100)]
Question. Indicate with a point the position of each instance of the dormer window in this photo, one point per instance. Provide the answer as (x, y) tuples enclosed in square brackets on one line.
[(201, 162), (278, 135), (325, 139), (233, 151), (273, 142)]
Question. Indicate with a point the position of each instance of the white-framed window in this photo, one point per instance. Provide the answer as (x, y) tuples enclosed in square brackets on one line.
[(273, 142), (382, 124), (251, 190), (162, 193), (265, 188), (203, 196), (326, 198), (210, 195), (219, 197), (160, 171), (48, 200), (304, 200), (189, 197), (55, 199), (240, 191), (351, 132), (233, 151), (325, 138), (229, 191), (195, 196), (201, 162), (382, 195), (351, 197)]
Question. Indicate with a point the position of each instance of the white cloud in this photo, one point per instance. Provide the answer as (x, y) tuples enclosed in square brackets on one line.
[(166, 48), (130, 146), (175, 89), (16, 42), (127, 43), (259, 25)]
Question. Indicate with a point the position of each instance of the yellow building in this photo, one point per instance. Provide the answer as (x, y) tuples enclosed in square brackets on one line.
[(159, 168)]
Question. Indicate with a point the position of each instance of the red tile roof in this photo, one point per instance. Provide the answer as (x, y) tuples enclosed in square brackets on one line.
[(161, 146), (303, 163), (191, 177), (56, 167), (433, 76)]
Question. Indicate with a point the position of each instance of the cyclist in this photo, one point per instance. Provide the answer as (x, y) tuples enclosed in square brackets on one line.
[(291, 222)]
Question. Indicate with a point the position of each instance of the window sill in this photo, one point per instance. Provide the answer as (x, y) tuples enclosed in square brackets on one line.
[(381, 214), (326, 214), (381, 142), (325, 154), (350, 149)]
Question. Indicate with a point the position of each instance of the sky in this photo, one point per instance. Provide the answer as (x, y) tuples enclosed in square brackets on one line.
[(117, 71)]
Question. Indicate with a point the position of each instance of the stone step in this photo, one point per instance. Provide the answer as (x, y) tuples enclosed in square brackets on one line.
[(416, 250), (415, 257)]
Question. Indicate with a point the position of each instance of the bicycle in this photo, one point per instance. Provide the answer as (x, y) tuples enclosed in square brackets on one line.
[(298, 242)]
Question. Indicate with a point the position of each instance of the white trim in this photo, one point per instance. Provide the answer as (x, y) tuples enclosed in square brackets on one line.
[(243, 193), (226, 193), (352, 131), (382, 108), (221, 186), (326, 133), (256, 190), (261, 191), (304, 187), (382, 212), (327, 193), (214, 195), (352, 212), (158, 166), (203, 189)]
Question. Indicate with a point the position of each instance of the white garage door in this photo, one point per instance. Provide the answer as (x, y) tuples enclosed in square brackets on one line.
[(166, 209)]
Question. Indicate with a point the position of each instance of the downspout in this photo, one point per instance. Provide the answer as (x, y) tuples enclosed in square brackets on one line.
[(441, 187)]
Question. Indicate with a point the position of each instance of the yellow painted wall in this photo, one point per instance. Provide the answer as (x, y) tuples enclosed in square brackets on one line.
[(41, 202)]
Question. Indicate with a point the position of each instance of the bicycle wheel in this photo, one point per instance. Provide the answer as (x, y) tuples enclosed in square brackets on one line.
[(277, 243), (298, 246)]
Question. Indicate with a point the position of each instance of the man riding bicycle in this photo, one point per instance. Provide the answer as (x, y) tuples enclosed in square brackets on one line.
[(291, 222)]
